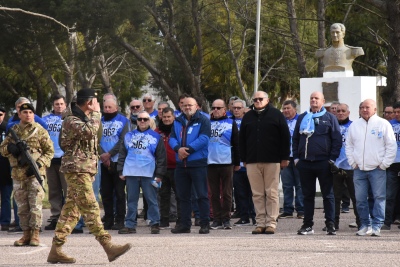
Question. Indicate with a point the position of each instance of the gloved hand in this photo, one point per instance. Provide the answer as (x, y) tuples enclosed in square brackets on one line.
[(22, 145), (336, 170), (30, 171), (13, 149)]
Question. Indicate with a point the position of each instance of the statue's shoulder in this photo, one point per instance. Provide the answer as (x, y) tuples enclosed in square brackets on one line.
[(321, 52), (355, 51)]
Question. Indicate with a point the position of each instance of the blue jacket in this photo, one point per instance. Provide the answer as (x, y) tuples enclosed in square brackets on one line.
[(323, 144), (195, 135)]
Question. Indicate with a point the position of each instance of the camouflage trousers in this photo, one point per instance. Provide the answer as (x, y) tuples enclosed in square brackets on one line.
[(28, 195), (80, 200)]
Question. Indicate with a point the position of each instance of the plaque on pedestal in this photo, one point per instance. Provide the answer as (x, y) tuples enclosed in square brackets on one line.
[(330, 91)]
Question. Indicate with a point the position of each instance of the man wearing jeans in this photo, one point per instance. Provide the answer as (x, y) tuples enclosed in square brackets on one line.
[(290, 176), (370, 150), (393, 172), (189, 138)]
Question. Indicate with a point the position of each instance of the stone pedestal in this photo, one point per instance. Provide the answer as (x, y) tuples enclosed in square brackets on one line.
[(349, 90)]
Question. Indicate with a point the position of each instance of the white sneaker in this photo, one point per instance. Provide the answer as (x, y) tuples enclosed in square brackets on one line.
[(366, 230), (376, 232)]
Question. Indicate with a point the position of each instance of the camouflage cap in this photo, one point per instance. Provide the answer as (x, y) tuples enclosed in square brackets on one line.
[(27, 106), (86, 93)]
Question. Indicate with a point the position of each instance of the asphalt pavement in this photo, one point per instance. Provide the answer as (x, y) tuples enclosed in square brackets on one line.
[(236, 247)]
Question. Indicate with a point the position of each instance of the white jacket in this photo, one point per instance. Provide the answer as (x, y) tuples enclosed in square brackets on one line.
[(371, 144)]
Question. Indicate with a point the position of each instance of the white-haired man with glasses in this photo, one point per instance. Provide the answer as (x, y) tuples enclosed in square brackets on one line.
[(264, 150)]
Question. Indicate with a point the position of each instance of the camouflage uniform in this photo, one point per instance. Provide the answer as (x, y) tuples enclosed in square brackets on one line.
[(28, 193), (79, 140)]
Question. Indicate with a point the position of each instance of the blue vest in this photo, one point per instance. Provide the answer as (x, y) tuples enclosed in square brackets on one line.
[(54, 123), (396, 129), (112, 130), (291, 124), (341, 161), (141, 147), (219, 147), (154, 114)]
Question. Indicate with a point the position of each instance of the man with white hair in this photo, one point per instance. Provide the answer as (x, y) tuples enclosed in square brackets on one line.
[(264, 150), (148, 104), (113, 131), (370, 150)]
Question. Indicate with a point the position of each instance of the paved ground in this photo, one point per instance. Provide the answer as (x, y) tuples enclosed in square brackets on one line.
[(236, 247)]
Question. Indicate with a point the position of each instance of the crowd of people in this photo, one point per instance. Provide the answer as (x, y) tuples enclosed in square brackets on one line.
[(192, 164)]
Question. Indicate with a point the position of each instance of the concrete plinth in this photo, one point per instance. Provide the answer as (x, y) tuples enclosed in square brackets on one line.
[(351, 90)]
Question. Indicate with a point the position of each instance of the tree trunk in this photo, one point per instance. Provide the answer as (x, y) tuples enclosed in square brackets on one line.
[(321, 33), (393, 68), (301, 61)]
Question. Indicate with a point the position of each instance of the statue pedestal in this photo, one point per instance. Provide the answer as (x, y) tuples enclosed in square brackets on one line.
[(349, 90)]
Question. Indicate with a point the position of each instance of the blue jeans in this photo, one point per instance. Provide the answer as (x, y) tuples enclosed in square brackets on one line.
[(392, 188), (309, 172), (133, 184), (376, 181), (290, 177), (5, 212), (243, 195), (80, 224), (97, 182), (184, 179)]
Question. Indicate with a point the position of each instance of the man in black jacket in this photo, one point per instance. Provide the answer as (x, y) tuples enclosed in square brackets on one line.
[(316, 145), (264, 150)]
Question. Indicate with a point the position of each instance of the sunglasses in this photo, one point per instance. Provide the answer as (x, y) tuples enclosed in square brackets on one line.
[(237, 108), (217, 108), (135, 107), (146, 100), (260, 99), (142, 119)]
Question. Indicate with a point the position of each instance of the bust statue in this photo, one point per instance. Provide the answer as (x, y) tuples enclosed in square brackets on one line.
[(338, 57)]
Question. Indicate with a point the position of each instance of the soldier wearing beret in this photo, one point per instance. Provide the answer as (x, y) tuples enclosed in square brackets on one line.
[(28, 193), (79, 140)]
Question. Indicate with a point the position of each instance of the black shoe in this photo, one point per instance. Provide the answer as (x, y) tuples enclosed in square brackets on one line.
[(15, 230), (108, 225), (77, 231), (330, 229), (227, 225), (205, 229), (216, 225), (51, 225), (172, 218), (197, 222), (285, 215), (385, 227), (164, 225), (241, 222), (305, 230), (155, 229), (118, 226), (126, 230), (5, 227), (345, 210), (236, 214), (180, 230)]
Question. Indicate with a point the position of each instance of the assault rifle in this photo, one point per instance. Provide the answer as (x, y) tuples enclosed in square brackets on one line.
[(26, 156)]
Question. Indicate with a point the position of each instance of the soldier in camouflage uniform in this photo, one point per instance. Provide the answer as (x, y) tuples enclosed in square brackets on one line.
[(28, 193), (79, 140)]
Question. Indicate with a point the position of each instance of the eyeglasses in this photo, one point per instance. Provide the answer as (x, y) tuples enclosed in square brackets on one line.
[(147, 100), (260, 99), (142, 119), (217, 108), (388, 112), (237, 108), (135, 107)]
